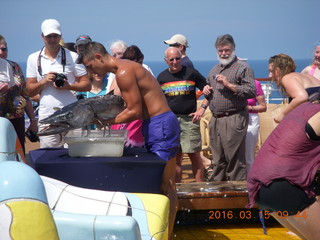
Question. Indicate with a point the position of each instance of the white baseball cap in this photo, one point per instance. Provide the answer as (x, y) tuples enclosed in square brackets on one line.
[(177, 39), (49, 26)]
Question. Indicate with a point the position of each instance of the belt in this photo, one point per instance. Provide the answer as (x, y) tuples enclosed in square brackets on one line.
[(225, 114)]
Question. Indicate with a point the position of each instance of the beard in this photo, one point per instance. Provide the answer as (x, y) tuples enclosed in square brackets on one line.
[(225, 61)]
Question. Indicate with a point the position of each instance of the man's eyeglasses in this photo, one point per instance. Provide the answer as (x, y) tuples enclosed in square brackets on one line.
[(176, 58), (174, 45), (4, 49)]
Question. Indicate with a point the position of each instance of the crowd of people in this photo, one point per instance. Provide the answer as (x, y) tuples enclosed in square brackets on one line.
[(162, 114)]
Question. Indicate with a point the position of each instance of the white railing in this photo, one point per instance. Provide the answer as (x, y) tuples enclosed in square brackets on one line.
[(269, 90)]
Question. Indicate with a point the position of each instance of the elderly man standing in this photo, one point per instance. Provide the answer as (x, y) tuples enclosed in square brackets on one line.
[(231, 84), (179, 85), (42, 69)]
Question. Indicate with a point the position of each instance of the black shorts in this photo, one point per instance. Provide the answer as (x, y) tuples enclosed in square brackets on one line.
[(282, 196)]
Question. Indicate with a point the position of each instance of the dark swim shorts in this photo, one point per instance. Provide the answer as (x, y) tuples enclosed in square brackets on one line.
[(162, 135), (284, 198)]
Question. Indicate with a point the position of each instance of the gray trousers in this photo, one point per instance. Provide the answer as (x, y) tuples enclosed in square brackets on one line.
[(227, 141)]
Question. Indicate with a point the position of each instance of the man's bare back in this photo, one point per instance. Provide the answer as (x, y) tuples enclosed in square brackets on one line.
[(139, 89)]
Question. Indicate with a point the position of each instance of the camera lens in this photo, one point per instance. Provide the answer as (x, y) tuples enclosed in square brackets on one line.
[(59, 80)]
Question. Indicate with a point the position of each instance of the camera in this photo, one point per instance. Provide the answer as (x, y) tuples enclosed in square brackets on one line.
[(32, 136), (59, 79)]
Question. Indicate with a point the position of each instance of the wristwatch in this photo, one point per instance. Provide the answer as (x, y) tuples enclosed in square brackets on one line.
[(204, 106)]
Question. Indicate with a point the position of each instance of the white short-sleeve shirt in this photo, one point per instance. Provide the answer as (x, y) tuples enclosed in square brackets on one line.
[(50, 97)]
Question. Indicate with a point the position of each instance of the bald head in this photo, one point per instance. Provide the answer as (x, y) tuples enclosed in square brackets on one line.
[(173, 59), (172, 51)]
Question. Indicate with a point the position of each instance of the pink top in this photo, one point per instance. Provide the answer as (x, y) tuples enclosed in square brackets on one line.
[(135, 137), (287, 153), (259, 92), (313, 68)]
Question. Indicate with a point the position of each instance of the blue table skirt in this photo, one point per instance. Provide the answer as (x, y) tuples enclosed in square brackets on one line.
[(136, 171)]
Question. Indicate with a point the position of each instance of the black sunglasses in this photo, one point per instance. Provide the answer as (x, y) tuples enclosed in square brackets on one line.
[(4, 49), (176, 58)]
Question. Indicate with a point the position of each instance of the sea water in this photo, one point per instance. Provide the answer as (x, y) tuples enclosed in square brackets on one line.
[(260, 68)]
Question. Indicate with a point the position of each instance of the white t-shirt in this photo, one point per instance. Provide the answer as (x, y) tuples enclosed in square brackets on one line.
[(50, 97), (111, 77), (148, 68)]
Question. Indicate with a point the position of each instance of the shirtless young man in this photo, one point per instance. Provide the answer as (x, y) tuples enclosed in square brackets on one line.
[(144, 100)]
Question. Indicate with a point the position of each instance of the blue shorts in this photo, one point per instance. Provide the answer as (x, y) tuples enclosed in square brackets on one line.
[(162, 135)]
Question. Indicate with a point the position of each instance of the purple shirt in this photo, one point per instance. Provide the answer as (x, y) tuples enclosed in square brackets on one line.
[(287, 153)]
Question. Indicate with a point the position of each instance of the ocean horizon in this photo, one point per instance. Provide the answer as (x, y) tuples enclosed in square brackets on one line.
[(260, 68)]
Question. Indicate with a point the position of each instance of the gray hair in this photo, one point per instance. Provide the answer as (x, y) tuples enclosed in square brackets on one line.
[(225, 39), (118, 44)]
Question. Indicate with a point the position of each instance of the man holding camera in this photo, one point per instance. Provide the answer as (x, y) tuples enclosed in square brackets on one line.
[(53, 73)]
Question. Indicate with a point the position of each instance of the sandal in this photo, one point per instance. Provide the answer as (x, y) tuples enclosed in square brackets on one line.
[(208, 172)]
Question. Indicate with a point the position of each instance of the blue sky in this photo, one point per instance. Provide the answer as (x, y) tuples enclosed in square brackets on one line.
[(261, 28)]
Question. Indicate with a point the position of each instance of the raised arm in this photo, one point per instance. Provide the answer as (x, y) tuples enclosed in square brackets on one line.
[(294, 89)]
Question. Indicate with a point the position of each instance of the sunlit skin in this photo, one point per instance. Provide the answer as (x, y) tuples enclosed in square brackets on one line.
[(117, 52), (97, 83), (316, 55), (3, 51), (52, 41), (224, 51), (295, 85), (173, 59), (131, 88), (273, 74), (4, 87)]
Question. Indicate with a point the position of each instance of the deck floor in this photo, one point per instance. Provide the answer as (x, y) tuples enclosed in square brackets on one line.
[(221, 231), (190, 226)]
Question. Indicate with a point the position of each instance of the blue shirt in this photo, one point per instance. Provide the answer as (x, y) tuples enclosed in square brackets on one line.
[(91, 94)]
